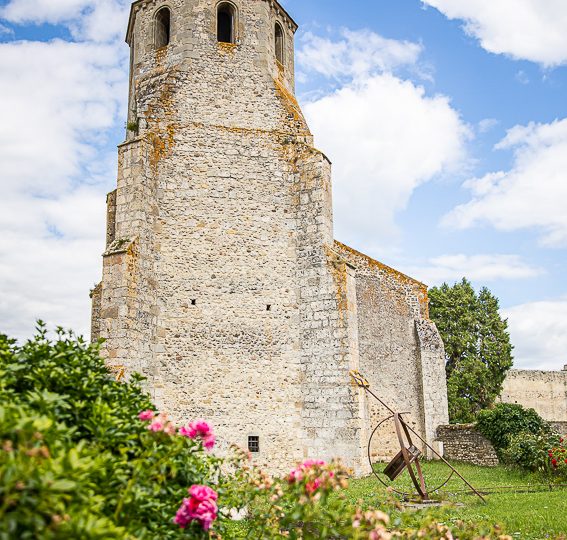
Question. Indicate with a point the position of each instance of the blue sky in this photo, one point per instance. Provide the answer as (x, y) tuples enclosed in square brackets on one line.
[(446, 122)]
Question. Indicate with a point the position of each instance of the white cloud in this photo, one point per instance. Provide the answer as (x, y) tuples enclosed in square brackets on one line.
[(486, 125), (355, 54), (385, 137), (21, 11), (530, 195), (483, 268), (48, 274), (60, 101), (522, 77), (539, 334), (96, 20), (57, 98), (524, 29)]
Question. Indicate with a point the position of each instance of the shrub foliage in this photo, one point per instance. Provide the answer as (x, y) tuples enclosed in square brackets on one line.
[(523, 439), (507, 420), (75, 461)]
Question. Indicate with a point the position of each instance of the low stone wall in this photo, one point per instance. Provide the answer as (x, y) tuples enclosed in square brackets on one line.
[(560, 427), (462, 442)]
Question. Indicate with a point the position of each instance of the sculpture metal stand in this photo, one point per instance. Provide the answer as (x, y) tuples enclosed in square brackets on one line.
[(408, 457)]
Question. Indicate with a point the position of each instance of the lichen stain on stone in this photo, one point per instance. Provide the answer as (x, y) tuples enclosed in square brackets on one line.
[(161, 54), (227, 48), (131, 263), (292, 107), (395, 275), (338, 271), (162, 139)]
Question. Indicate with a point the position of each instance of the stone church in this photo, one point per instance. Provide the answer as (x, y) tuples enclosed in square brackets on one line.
[(222, 281)]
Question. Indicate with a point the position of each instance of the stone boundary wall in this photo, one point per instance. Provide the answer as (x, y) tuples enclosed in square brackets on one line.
[(544, 391), (560, 427), (462, 442)]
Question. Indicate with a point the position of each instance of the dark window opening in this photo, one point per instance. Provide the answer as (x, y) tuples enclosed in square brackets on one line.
[(269, 307), (279, 43), (254, 444), (193, 302), (163, 27), (225, 23)]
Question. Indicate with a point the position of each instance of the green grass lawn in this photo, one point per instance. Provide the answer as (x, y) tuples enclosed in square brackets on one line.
[(529, 516)]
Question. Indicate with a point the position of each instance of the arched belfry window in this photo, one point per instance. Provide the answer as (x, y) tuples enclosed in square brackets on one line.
[(162, 27), (279, 43), (226, 23)]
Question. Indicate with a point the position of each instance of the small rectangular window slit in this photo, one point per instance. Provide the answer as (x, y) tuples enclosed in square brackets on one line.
[(193, 302), (254, 444), (269, 307)]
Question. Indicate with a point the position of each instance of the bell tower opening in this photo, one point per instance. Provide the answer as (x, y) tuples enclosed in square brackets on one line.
[(279, 36), (162, 28), (226, 16)]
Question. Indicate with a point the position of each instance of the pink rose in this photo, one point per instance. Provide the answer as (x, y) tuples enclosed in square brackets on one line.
[(200, 430), (209, 442), (310, 463), (205, 513), (156, 426), (170, 429), (295, 476), (202, 493), (161, 423), (146, 416), (312, 487), (201, 507)]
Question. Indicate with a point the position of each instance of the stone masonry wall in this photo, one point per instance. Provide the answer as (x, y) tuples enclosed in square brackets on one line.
[(401, 352), (433, 381), (111, 217), (560, 427), (96, 299), (544, 391), (331, 414), (462, 442)]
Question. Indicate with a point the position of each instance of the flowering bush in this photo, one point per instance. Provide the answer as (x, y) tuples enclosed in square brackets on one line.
[(310, 504), (79, 460), (523, 439), (507, 420), (530, 451), (557, 456)]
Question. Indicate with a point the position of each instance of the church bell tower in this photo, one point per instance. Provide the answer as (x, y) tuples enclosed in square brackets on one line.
[(220, 283)]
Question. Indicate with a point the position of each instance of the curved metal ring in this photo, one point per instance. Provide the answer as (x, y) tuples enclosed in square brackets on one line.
[(403, 493)]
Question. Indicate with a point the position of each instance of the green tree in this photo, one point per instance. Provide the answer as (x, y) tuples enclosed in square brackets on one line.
[(477, 347)]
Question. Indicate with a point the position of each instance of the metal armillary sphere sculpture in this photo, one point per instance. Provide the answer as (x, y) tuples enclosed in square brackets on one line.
[(408, 457)]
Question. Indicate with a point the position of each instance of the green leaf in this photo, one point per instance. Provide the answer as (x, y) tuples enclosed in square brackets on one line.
[(62, 485)]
